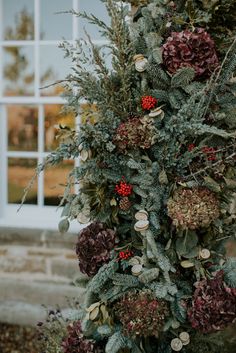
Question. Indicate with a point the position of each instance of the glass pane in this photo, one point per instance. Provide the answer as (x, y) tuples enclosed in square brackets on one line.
[(20, 172), (18, 63), (22, 128), (53, 117), (55, 180), (18, 19), (51, 21), (53, 67), (97, 8)]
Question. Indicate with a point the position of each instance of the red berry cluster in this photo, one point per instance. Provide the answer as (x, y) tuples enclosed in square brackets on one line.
[(125, 255), (123, 189), (148, 102), (210, 152), (191, 147)]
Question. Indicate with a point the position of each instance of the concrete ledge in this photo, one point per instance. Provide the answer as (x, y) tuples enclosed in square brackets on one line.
[(19, 313), (35, 293)]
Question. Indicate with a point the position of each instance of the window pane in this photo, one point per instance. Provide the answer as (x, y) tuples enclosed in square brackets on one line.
[(18, 64), (22, 128), (20, 172), (55, 26), (53, 67), (18, 19), (55, 180), (92, 7), (53, 117)]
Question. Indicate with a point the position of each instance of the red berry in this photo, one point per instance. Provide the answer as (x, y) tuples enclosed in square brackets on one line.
[(148, 102), (123, 189), (191, 147)]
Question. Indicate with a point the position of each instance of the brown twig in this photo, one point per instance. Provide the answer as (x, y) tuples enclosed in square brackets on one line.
[(203, 170)]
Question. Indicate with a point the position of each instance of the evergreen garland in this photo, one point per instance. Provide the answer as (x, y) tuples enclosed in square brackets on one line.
[(189, 122)]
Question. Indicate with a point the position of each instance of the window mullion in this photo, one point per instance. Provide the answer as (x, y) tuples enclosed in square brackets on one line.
[(3, 160), (41, 154), (36, 47)]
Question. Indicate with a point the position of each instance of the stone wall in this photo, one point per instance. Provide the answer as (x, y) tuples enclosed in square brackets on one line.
[(36, 267)]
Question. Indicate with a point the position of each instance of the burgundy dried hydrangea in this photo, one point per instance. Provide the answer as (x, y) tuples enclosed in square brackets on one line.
[(93, 248), (75, 342), (141, 314), (192, 49), (213, 305), (133, 133), (193, 208)]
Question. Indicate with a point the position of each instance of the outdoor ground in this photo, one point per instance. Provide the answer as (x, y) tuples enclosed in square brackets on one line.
[(16, 339)]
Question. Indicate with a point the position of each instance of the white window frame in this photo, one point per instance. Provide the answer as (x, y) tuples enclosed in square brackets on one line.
[(30, 216)]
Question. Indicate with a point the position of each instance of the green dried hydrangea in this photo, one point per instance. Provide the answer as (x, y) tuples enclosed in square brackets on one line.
[(193, 208)]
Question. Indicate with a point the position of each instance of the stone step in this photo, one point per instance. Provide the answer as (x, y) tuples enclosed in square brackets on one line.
[(23, 314), (37, 237), (38, 293)]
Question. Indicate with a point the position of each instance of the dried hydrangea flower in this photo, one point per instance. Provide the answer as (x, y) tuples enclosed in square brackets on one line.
[(191, 49), (141, 314), (213, 305), (193, 208), (93, 248)]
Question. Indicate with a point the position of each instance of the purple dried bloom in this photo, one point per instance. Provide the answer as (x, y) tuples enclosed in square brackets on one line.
[(75, 342), (93, 248), (213, 305), (192, 49)]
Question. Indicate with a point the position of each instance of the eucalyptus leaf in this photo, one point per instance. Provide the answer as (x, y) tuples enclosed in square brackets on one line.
[(157, 55), (63, 225), (186, 244)]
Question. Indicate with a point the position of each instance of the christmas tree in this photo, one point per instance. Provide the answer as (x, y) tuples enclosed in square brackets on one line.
[(157, 178)]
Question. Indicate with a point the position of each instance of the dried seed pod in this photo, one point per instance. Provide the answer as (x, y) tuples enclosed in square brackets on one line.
[(186, 264), (93, 315), (125, 204), (136, 270), (184, 336), (204, 254), (176, 344), (141, 226), (140, 62), (85, 154), (149, 275), (141, 215), (136, 260), (83, 218)]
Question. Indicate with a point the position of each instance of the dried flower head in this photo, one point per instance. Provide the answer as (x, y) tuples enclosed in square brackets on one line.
[(213, 305), (75, 342), (191, 49), (193, 208), (93, 248), (134, 133), (141, 314)]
